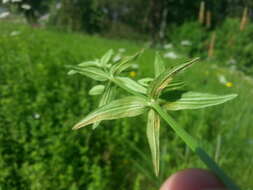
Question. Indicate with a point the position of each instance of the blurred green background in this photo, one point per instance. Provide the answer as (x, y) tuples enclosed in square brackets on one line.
[(39, 102)]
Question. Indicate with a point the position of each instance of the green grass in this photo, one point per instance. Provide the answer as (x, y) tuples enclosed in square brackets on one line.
[(39, 104)]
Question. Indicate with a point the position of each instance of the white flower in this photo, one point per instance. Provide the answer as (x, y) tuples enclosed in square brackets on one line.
[(222, 79), (168, 46), (116, 58), (105, 10), (26, 6), (231, 61), (233, 68), (36, 116), (135, 66), (58, 6), (4, 14), (250, 141), (121, 50), (171, 55), (186, 43), (44, 17), (14, 33)]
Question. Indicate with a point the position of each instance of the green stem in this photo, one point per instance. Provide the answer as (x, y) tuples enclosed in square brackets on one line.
[(195, 146)]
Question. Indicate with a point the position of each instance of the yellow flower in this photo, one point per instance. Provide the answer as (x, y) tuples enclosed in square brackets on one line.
[(132, 74), (229, 84)]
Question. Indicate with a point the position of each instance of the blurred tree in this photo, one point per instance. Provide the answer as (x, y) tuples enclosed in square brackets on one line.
[(31, 9), (80, 15), (146, 17), (156, 8)]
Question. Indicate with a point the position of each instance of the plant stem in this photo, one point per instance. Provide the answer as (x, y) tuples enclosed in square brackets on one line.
[(195, 146)]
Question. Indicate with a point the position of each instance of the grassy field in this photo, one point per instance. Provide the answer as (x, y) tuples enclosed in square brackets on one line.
[(39, 103)]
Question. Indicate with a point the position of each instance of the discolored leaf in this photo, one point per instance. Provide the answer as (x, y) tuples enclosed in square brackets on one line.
[(159, 65), (174, 85), (126, 107), (165, 78), (106, 57), (196, 100), (130, 84), (153, 128), (91, 72), (96, 90), (124, 63)]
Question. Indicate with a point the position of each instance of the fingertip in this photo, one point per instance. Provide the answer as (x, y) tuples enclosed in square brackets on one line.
[(193, 179)]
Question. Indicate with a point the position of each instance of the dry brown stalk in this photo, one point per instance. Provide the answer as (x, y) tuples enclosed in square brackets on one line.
[(211, 45), (208, 19), (202, 12), (244, 19)]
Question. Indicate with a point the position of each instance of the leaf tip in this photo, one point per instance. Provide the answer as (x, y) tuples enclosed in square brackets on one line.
[(157, 172), (71, 72), (77, 126), (196, 59), (74, 128), (95, 125), (232, 96)]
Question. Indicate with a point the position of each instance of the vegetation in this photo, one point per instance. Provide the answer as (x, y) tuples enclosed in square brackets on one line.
[(153, 95), (39, 105), (229, 37)]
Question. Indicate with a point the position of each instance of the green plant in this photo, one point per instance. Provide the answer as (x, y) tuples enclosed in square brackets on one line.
[(237, 44), (155, 96), (189, 31)]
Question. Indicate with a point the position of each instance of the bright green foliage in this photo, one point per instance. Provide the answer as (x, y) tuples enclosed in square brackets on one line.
[(129, 84), (104, 70), (163, 79), (232, 48), (159, 65), (92, 72), (153, 131), (126, 107), (195, 100), (136, 105), (38, 104), (238, 45), (194, 33), (96, 90), (124, 63)]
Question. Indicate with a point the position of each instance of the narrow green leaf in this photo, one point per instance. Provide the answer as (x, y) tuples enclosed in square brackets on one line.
[(126, 107), (174, 85), (159, 65), (145, 81), (153, 128), (96, 90), (196, 100), (125, 62), (130, 84), (165, 78), (108, 96), (107, 56), (91, 72), (94, 63)]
